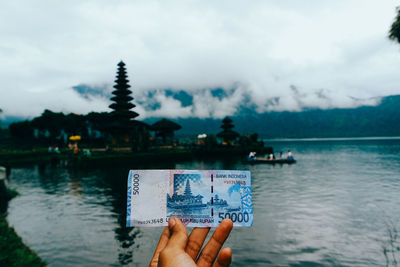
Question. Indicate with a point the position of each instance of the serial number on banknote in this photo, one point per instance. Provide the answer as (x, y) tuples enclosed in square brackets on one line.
[(200, 198)]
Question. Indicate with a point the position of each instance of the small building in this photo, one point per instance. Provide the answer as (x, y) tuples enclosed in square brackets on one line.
[(227, 134), (165, 129)]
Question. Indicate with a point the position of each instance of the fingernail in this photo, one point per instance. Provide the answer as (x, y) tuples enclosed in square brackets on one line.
[(171, 223)]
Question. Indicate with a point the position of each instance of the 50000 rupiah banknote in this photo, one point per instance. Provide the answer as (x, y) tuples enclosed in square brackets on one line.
[(199, 198)]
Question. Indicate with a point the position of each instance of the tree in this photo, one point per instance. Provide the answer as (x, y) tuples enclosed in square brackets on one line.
[(394, 32), (21, 130), (50, 121), (98, 120)]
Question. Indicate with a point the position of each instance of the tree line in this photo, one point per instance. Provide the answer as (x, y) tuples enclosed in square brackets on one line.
[(54, 128)]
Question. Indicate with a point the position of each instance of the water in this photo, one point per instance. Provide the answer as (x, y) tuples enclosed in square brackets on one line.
[(339, 205)]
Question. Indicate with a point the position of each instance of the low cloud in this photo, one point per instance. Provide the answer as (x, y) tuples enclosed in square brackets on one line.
[(218, 103), (335, 54)]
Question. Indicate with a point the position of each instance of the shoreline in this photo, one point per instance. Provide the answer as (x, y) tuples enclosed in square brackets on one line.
[(322, 139), (13, 250), (16, 158)]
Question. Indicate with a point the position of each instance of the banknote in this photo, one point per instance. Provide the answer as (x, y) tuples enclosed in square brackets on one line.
[(200, 198)]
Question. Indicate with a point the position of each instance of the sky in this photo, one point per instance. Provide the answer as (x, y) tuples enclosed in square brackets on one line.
[(270, 55)]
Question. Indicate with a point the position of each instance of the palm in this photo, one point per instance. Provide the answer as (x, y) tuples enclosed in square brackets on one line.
[(175, 248)]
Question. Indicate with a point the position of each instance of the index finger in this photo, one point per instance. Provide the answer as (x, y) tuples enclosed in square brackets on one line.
[(210, 251), (160, 246)]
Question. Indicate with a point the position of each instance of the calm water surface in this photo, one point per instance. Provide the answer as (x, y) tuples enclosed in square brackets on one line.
[(338, 206)]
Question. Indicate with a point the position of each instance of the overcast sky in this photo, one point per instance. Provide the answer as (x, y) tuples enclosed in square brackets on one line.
[(312, 53)]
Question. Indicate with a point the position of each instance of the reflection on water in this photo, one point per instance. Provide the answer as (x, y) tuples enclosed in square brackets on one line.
[(338, 206)]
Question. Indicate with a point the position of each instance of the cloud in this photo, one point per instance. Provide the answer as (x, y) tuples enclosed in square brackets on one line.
[(218, 103), (332, 52), (91, 92)]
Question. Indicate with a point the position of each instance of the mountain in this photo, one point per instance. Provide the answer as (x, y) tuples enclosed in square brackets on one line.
[(5, 121), (380, 120)]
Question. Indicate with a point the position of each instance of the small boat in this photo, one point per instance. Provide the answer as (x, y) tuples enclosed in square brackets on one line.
[(271, 161)]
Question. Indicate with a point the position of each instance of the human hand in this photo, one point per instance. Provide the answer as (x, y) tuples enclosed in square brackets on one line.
[(175, 248)]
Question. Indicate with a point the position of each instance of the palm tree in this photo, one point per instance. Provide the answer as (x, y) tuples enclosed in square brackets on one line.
[(394, 32)]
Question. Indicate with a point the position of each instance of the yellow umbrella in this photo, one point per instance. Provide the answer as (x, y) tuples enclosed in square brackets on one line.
[(75, 138)]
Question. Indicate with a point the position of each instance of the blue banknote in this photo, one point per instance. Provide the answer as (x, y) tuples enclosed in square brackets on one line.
[(200, 198)]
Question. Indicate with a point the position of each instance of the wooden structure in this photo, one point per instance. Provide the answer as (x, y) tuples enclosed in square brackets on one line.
[(165, 129), (227, 134)]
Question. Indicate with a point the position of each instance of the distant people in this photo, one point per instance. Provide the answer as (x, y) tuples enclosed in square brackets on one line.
[(87, 153), (271, 156), (252, 155), (76, 149), (289, 155), (281, 156)]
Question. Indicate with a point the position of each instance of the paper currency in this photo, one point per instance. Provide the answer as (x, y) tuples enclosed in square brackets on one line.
[(200, 198)]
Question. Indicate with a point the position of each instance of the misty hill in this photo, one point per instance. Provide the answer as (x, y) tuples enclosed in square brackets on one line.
[(380, 120)]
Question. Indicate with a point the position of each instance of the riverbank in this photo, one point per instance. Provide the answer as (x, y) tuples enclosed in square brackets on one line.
[(13, 157), (13, 251)]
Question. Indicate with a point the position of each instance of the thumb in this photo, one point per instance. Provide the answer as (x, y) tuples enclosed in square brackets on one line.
[(179, 234)]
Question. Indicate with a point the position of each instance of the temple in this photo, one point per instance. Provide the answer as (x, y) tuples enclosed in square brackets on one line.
[(165, 129), (123, 128), (122, 100), (185, 201), (227, 134)]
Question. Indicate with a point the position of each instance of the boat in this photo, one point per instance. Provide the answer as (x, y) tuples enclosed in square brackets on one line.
[(271, 161)]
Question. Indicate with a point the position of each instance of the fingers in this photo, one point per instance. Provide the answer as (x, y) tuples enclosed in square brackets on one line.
[(174, 238), (160, 246), (224, 258), (210, 251), (195, 241), (179, 236)]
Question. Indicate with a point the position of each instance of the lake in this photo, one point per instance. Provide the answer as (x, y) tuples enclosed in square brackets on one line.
[(339, 205)]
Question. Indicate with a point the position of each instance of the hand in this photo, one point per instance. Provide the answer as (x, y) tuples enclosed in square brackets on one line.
[(175, 248)]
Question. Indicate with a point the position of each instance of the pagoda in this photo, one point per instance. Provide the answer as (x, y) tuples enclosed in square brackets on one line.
[(123, 128), (227, 134), (122, 105), (188, 190), (185, 201)]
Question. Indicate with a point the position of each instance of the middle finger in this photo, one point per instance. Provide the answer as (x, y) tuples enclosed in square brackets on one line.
[(210, 251), (195, 241)]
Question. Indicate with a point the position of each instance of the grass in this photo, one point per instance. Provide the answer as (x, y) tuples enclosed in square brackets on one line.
[(13, 252), (12, 193), (8, 157)]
